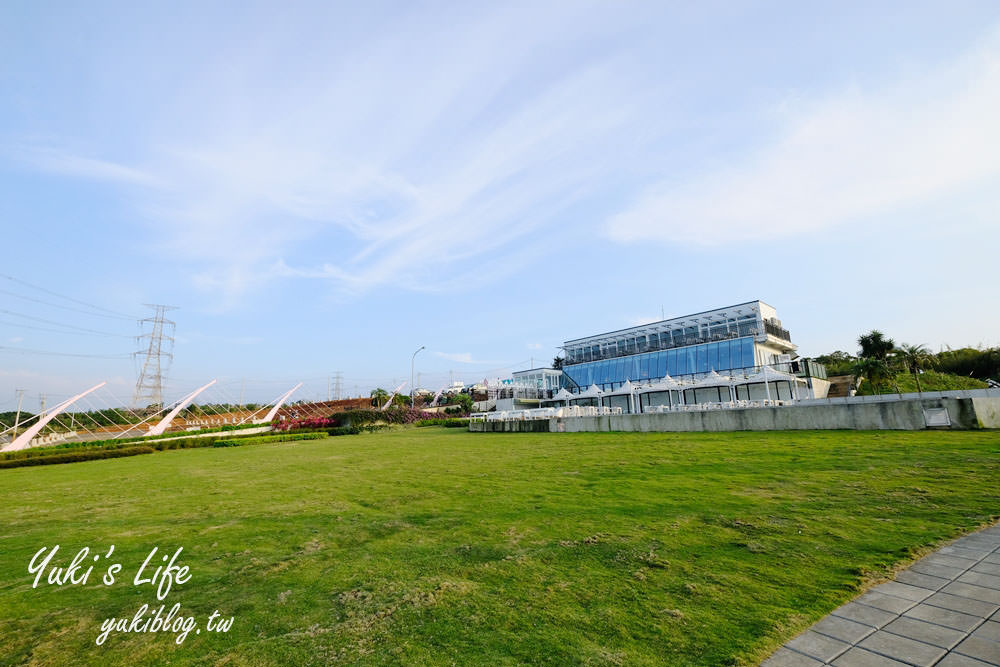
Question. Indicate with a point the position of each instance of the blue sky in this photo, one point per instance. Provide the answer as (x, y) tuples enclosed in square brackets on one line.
[(324, 187)]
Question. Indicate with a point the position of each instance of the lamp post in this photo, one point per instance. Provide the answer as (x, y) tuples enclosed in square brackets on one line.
[(412, 360)]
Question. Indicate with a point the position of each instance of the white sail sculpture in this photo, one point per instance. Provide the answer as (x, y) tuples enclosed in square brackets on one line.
[(23, 441), (184, 402)]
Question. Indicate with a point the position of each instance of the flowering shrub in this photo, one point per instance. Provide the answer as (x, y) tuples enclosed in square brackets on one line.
[(356, 419), (311, 423)]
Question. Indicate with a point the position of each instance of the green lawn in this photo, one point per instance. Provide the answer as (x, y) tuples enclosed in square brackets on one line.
[(439, 546)]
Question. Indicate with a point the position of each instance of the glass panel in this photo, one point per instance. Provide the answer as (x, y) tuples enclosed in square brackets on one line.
[(644, 367), (758, 392), (747, 344), (618, 401), (692, 360), (661, 364), (742, 393), (702, 359), (656, 398), (724, 355)]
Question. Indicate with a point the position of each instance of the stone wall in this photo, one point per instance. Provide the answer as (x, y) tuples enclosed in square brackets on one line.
[(906, 414)]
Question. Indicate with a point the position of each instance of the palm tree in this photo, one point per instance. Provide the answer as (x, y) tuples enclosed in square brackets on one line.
[(874, 345), (873, 370), (379, 397), (915, 357)]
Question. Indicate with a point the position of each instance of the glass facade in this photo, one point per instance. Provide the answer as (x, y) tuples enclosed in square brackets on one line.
[(718, 356)]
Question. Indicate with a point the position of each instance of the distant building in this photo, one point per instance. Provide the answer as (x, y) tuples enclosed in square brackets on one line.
[(740, 352), (739, 338)]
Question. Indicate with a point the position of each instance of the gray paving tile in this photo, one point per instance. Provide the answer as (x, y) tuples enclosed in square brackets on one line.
[(858, 657), (922, 580), (843, 629), (988, 568), (950, 561), (993, 558), (784, 657), (951, 619), (981, 579), (926, 632), (901, 648), (981, 541), (966, 551), (905, 591), (988, 630), (818, 646), (944, 571), (962, 604), (959, 660), (885, 602), (981, 593), (981, 649), (860, 613)]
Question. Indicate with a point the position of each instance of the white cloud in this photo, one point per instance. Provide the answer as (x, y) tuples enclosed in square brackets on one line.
[(534, 346), (61, 162), (428, 159), (858, 154), (465, 358)]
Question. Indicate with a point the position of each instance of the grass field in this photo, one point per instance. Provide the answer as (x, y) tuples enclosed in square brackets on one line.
[(436, 546)]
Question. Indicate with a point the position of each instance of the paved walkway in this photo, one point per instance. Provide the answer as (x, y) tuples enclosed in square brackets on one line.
[(944, 610)]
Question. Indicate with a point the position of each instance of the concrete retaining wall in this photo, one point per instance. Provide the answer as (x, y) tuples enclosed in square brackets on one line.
[(907, 415)]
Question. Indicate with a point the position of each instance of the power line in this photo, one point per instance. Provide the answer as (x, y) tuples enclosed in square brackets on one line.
[(59, 305), (23, 350), (63, 296), (60, 324), (62, 331)]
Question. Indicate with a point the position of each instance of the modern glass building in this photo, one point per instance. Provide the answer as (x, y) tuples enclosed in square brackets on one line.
[(735, 339)]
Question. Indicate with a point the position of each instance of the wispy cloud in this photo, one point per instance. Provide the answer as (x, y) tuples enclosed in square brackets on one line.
[(534, 346), (851, 156), (61, 162), (466, 358), (428, 157)]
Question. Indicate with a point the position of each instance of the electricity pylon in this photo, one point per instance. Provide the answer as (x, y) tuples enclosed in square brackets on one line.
[(157, 357)]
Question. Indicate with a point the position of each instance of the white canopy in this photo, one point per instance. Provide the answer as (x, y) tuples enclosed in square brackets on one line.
[(713, 379), (626, 388), (665, 383), (768, 374), (592, 392), (562, 395)]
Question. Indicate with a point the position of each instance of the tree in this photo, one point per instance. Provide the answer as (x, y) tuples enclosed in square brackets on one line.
[(914, 357), (875, 345), (557, 363), (837, 363), (873, 370), (379, 397)]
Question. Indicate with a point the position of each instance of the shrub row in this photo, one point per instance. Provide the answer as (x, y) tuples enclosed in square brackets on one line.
[(113, 445), (259, 440), (73, 457), (115, 442), (449, 422)]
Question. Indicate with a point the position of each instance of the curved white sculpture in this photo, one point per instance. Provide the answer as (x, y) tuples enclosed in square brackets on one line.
[(165, 422), (22, 441), (277, 405), (393, 395)]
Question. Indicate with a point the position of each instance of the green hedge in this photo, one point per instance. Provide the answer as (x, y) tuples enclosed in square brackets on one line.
[(268, 438), (158, 445), (74, 457), (448, 422)]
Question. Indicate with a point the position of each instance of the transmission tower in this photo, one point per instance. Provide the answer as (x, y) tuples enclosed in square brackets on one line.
[(338, 379), (157, 355)]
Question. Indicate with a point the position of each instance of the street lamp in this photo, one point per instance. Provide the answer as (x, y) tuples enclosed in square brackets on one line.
[(412, 360)]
